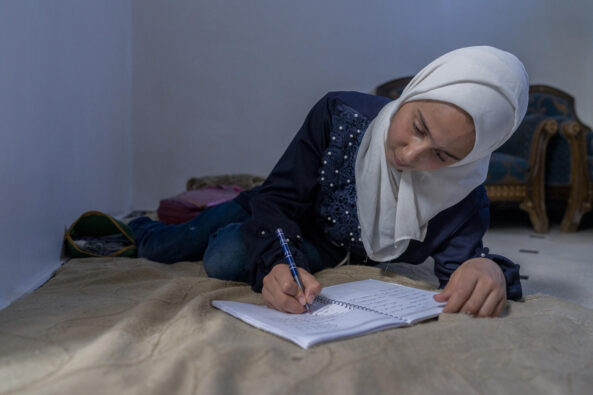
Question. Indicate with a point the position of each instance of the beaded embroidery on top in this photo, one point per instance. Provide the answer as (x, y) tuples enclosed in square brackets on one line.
[(337, 209)]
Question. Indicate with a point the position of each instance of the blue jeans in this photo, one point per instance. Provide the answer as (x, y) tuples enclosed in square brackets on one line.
[(213, 236)]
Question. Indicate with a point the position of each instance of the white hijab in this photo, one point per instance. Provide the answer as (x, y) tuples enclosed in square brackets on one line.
[(394, 207)]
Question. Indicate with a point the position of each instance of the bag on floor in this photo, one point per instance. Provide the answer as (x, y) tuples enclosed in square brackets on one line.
[(95, 234)]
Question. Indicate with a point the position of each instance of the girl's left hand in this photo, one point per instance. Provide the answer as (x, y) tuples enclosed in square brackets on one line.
[(477, 287)]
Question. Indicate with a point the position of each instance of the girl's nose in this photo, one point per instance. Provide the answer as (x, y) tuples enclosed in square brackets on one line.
[(414, 151)]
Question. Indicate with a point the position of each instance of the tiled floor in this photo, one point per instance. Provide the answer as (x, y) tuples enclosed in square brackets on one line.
[(556, 263)]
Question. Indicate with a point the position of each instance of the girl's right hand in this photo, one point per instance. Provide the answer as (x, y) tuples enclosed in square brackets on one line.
[(282, 293)]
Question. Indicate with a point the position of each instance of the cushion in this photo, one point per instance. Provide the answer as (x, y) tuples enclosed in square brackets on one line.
[(507, 169)]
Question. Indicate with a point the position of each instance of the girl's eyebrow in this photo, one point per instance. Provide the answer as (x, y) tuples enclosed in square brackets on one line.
[(430, 135)]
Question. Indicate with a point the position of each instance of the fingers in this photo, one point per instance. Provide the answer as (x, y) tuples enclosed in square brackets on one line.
[(445, 294), (488, 306), (280, 301), (477, 287), (501, 306), (477, 300), (281, 292), (482, 301), (280, 289), (460, 293), (311, 285), (493, 305)]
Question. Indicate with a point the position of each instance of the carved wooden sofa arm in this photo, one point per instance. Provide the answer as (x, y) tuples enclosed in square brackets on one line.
[(580, 199), (567, 177), (529, 190)]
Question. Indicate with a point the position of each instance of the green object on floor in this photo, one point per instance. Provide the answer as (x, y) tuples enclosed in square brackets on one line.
[(96, 234)]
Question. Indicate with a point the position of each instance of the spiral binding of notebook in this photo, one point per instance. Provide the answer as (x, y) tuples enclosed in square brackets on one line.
[(326, 301)]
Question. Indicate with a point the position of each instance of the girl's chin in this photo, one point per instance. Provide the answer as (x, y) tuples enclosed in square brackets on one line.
[(397, 164)]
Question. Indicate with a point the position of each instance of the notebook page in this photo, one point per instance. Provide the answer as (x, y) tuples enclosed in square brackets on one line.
[(396, 300), (326, 322)]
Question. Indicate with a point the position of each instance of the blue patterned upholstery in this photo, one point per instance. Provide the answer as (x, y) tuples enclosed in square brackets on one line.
[(520, 142), (509, 164), (507, 169), (549, 104), (394, 88), (541, 106)]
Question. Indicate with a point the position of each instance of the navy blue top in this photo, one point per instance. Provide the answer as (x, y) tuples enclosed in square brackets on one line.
[(311, 194)]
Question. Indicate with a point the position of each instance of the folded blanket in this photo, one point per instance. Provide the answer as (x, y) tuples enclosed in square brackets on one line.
[(245, 181), (187, 205)]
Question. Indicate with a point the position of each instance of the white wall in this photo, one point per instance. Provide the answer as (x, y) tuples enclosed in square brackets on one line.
[(222, 86), (64, 127)]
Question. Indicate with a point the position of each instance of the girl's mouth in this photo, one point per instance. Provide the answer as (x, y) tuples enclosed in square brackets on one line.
[(397, 162)]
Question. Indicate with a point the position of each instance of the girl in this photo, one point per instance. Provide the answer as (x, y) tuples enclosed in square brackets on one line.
[(370, 180)]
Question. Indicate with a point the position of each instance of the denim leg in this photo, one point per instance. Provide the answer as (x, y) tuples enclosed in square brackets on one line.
[(226, 254), (183, 242)]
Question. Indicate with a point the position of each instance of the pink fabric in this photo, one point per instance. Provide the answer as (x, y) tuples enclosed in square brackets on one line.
[(187, 205)]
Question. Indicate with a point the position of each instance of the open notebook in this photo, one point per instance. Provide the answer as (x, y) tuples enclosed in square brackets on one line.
[(343, 310)]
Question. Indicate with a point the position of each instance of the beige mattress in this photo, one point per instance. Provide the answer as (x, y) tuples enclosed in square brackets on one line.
[(130, 326)]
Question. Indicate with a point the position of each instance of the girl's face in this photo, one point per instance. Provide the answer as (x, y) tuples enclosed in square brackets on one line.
[(428, 135)]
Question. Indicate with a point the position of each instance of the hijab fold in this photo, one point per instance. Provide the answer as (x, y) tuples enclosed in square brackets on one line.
[(394, 207)]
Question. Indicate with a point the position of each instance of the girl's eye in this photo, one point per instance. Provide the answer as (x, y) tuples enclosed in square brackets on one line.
[(418, 130), (440, 155)]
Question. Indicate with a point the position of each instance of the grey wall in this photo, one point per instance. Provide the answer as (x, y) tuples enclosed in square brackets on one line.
[(65, 142), (222, 86)]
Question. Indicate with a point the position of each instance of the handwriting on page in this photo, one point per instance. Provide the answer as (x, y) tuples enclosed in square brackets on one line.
[(395, 301), (330, 309), (322, 318)]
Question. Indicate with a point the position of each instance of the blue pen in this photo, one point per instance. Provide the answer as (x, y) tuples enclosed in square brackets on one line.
[(291, 264)]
